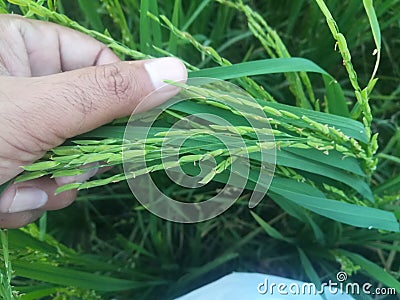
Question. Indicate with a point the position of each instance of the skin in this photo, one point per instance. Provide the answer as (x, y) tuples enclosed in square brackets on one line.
[(56, 83)]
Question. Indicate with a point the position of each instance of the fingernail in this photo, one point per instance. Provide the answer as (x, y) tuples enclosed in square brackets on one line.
[(167, 68), (27, 198), (77, 178)]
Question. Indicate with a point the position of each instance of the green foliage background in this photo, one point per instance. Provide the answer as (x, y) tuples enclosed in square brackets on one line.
[(325, 214)]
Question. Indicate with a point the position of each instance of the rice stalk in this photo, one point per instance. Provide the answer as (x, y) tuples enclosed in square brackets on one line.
[(251, 86), (362, 95), (276, 48)]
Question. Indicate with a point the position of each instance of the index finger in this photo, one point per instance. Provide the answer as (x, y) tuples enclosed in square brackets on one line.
[(53, 48)]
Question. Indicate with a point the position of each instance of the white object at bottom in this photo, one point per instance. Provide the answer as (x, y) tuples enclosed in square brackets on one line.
[(256, 286)]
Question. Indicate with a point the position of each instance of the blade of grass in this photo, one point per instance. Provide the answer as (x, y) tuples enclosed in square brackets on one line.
[(310, 270), (43, 226), (260, 67), (195, 14), (301, 214), (120, 19), (335, 95), (6, 271), (334, 159), (145, 33), (271, 231), (302, 163), (155, 27), (294, 15), (70, 277), (336, 103), (173, 39), (376, 33), (35, 293), (340, 211), (89, 9), (372, 269), (188, 278), (390, 185), (3, 7)]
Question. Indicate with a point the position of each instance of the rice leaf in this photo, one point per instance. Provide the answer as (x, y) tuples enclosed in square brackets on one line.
[(3, 8), (89, 8), (336, 103), (335, 96), (301, 214), (70, 277), (145, 32), (37, 292), (271, 231), (392, 185), (209, 266), (173, 39), (372, 269), (195, 14), (292, 160), (155, 27), (309, 269), (333, 159), (340, 211), (376, 33), (260, 67)]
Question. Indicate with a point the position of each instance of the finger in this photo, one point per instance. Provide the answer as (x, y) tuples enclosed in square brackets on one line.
[(71, 103), (33, 195), (43, 48), (61, 48), (52, 108), (20, 219)]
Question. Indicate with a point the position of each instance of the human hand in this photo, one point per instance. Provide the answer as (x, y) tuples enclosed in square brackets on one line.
[(56, 83)]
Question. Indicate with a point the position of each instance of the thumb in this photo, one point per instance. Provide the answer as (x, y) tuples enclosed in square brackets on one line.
[(78, 101)]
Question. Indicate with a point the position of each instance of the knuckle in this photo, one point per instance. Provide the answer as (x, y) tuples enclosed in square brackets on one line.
[(113, 81)]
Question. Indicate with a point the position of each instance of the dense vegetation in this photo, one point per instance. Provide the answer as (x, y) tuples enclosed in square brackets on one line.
[(332, 204)]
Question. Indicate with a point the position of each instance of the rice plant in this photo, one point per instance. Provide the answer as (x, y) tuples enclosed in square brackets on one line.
[(331, 204)]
